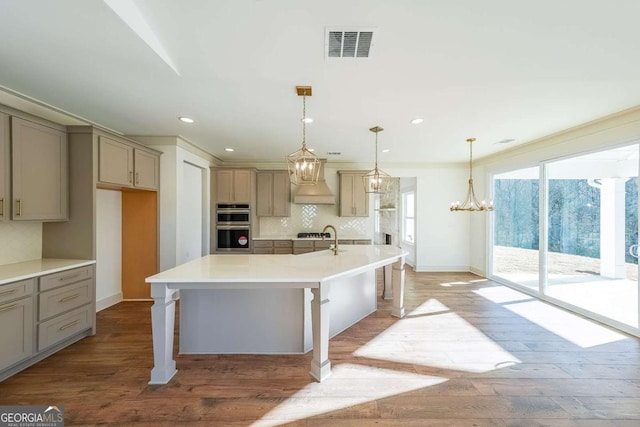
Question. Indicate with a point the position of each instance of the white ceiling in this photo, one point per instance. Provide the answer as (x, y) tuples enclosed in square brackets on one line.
[(493, 69)]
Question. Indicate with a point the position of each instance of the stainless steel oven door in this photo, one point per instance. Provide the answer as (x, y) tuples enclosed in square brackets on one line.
[(233, 216), (233, 238)]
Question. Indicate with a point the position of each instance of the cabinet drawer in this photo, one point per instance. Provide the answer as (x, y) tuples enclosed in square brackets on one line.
[(267, 251), (65, 277), (262, 244), (283, 251), (345, 242), (362, 242), (303, 244), (298, 251), (63, 299), (16, 290), (282, 244), (59, 328), (323, 244)]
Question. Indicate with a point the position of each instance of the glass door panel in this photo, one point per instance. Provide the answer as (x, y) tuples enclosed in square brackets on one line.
[(516, 227), (592, 224)]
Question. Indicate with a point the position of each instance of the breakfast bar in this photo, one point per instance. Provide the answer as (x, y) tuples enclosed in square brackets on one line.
[(269, 304)]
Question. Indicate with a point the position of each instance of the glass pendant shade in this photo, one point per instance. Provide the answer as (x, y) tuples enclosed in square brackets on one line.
[(376, 180), (303, 165), (471, 203)]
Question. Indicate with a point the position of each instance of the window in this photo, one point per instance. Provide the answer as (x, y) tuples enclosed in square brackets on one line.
[(408, 217)]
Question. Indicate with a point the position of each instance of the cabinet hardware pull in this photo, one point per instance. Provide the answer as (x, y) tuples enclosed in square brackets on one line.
[(19, 213), (1, 206), (131, 177), (68, 325), (68, 276), (9, 292), (9, 307), (69, 298), (137, 177)]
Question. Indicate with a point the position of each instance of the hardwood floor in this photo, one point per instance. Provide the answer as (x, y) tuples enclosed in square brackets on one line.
[(468, 353)]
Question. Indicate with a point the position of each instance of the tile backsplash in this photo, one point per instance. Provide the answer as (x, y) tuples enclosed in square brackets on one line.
[(21, 241), (313, 218)]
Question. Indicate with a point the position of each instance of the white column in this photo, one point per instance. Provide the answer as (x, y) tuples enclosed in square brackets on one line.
[(320, 311), (397, 309), (612, 223), (162, 322)]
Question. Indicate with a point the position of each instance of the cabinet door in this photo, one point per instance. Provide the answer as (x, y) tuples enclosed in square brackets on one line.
[(354, 201), (281, 194), (264, 194), (242, 186), (360, 197), (224, 186), (4, 167), (146, 167), (116, 162), (346, 195), (39, 171), (16, 333)]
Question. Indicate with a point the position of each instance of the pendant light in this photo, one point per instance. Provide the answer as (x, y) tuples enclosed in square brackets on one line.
[(303, 165), (376, 181), (471, 203)]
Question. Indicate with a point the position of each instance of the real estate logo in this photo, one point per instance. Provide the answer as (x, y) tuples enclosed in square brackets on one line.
[(31, 416)]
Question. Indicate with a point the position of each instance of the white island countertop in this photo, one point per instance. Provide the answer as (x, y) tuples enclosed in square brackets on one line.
[(267, 289), (302, 269), (38, 267)]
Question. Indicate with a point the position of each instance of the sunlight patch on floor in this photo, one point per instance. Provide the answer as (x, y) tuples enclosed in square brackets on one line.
[(337, 392), (431, 335), (571, 327), (502, 294)]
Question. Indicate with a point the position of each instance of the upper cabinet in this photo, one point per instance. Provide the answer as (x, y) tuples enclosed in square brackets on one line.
[(124, 165), (5, 168), (353, 199), (233, 185), (273, 193), (39, 172)]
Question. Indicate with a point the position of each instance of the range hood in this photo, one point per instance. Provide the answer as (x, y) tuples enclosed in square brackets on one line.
[(318, 194)]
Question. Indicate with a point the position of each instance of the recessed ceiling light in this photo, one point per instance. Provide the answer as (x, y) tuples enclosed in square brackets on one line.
[(386, 150), (312, 149), (228, 149), (417, 121), (306, 120), (186, 119)]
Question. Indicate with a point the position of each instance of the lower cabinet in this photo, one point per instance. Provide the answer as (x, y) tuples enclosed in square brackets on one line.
[(41, 315), (17, 322), (282, 247)]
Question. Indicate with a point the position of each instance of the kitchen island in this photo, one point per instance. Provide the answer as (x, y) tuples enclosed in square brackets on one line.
[(264, 304)]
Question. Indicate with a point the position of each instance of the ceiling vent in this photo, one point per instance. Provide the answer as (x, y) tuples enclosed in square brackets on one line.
[(349, 42)]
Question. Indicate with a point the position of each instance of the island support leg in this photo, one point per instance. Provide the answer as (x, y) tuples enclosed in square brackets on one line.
[(397, 309), (162, 322), (320, 311)]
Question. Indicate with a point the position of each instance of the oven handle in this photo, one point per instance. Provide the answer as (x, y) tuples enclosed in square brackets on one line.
[(233, 227)]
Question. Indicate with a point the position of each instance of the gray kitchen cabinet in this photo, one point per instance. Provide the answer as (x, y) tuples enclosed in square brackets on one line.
[(5, 170), (124, 165), (17, 320), (354, 201), (270, 247), (39, 172), (233, 185), (273, 194)]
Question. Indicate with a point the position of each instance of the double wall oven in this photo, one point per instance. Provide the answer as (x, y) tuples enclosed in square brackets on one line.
[(233, 227)]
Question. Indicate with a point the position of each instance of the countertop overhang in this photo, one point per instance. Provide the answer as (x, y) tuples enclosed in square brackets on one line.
[(38, 267), (295, 270)]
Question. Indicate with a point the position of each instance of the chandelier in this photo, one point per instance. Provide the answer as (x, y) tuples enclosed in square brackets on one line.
[(376, 180), (303, 165), (471, 203)]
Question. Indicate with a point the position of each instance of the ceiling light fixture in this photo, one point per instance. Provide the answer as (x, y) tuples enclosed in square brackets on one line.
[(186, 119), (471, 204), (303, 165), (386, 150), (376, 180), (417, 121), (229, 149)]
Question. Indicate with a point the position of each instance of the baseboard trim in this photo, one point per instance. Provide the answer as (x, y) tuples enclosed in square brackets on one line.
[(108, 301), (442, 269)]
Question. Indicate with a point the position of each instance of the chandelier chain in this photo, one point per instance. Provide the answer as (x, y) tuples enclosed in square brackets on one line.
[(304, 121)]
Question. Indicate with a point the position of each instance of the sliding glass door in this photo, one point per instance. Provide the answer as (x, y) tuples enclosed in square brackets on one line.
[(586, 208)]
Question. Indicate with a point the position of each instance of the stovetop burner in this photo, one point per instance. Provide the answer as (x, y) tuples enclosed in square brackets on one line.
[(314, 235)]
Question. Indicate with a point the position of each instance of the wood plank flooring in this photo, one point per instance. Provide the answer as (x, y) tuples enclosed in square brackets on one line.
[(468, 353)]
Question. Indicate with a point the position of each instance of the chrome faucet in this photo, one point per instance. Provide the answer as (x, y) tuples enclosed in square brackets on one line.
[(335, 238)]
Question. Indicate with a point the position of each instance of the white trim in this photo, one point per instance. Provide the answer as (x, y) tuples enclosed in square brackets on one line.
[(442, 269), (107, 302)]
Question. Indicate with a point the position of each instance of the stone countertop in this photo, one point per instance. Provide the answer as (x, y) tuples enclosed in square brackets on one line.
[(10, 273), (230, 271)]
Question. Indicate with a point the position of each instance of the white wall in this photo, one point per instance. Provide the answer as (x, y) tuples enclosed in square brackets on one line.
[(108, 248), (190, 244)]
